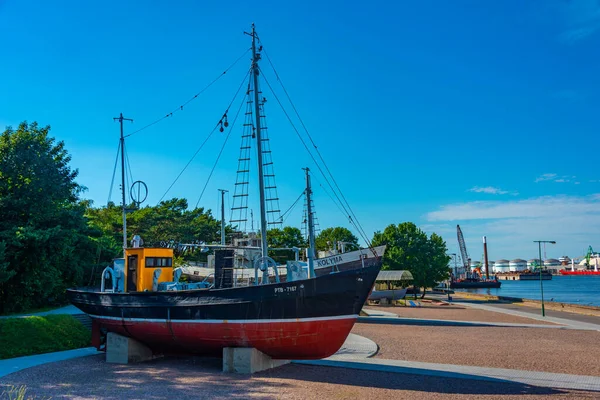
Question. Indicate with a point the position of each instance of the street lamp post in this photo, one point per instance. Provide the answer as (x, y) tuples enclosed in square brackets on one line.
[(539, 242)]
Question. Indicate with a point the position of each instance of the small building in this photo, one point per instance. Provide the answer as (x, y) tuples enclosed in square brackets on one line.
[(564, 260), (551, 262), (553, 265), (391, 285)]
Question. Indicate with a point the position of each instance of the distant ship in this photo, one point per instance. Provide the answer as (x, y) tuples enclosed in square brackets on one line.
[(581, 272), (472, 279), (590, 256)]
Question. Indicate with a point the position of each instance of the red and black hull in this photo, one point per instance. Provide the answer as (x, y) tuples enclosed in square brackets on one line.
[(305, 319)]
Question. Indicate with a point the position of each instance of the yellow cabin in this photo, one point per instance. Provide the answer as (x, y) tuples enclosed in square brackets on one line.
[(141, 264)]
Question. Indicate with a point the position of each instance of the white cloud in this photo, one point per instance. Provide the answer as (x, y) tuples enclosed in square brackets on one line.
[(581, 19), (545, 177), (511, 226), (546, 206), (555, 178), (488, 190), (491, 190)]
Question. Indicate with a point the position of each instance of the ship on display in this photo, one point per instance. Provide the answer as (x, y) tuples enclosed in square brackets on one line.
[(304, 312), (471, 279)]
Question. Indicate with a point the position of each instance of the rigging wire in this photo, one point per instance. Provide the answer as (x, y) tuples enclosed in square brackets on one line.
[(218, 124), (180, 108), (328, 194), (281, 217), (314, 145), (112, 182), (222, 148), (348, 214), (129, 170)]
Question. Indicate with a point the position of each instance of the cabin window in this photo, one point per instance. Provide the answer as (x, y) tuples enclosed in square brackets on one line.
[(153, 262)]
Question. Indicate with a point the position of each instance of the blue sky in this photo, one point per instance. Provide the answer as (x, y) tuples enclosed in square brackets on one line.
[(483, 114)]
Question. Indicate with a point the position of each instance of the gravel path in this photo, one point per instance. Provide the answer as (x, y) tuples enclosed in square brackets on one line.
[(191, 378), (457, 313), (550, 350)]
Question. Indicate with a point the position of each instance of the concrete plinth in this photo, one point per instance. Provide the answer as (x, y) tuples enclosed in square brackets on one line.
[(247, 360), (124, 350)]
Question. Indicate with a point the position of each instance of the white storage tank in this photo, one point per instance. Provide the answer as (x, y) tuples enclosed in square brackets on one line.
[(501, 266), (532, 264), (475, 264), (517, 265)]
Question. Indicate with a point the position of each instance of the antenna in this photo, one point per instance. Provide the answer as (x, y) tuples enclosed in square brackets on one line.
[(223, 191), (311, 228), (120, 118)]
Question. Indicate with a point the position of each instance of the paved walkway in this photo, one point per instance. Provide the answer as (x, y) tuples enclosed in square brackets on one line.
[(535, 378), (356, 351), (70, 309), (355, 355), (356, 347), (16, 364), (572, 323), (385, 317), (378, 313), (446, 322)]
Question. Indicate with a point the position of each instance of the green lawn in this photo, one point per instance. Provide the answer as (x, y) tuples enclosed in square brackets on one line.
[(36, 335)]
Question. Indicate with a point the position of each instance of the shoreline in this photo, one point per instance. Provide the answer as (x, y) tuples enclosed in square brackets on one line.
[(549, 305)]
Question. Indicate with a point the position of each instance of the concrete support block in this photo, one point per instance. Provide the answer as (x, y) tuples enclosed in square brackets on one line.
[(248, 360), (124, 350)]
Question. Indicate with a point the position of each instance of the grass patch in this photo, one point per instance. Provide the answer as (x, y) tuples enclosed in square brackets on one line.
[(36, 335)]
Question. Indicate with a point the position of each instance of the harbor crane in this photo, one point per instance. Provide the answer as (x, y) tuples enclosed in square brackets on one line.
[(463, 250), (589, 255)]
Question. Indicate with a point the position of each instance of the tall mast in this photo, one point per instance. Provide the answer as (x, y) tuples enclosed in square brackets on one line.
[(122, 140), (261, 183), (223, 191), (311, 227)]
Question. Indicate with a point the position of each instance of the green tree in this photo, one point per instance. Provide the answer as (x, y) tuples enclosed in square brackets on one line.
[(409, 248), (328, 237), (287, 237), (170, 220), (46, 238), (5, 273)]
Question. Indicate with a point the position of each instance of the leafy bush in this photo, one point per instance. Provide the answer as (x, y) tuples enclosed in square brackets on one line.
[(36, 335)]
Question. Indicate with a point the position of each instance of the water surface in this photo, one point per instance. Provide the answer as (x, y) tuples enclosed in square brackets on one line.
[(583, 290)]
